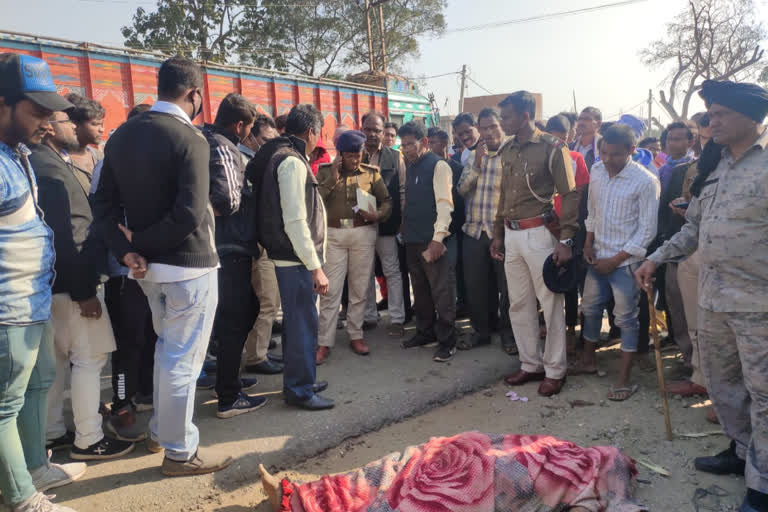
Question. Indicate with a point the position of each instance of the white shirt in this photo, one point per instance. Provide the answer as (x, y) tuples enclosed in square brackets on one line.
[(622, 211), (292, 179), (162, 272)]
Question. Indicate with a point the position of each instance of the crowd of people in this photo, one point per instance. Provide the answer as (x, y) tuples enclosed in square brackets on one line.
[(193, 239)]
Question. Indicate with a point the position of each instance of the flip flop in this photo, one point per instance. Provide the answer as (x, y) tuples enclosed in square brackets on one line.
[(615, 393)]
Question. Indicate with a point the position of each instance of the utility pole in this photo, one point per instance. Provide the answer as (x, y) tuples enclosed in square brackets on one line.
[(463, 84), (575, 110), (383, 42), (370, 35), (650, 105)]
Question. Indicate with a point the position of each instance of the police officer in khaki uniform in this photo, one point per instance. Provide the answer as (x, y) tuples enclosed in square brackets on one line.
[(352, 231), (535, 167), (727, 225)]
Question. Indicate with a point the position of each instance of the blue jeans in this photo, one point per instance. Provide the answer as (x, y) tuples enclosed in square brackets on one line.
[(27, 370), (598, 289), (182, 314), (300, 329)]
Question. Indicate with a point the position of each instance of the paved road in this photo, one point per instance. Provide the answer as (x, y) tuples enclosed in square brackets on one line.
[(370, 392)]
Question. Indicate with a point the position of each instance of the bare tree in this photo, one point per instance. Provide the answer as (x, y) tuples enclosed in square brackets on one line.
[(711, 39)]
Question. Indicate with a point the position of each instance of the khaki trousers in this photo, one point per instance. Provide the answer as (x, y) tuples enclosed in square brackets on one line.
[(349, 254), (525, 253), (264, 282), (734, 361), (688, 281)]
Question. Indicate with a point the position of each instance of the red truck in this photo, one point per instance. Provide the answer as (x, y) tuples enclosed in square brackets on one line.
[(120, 78)]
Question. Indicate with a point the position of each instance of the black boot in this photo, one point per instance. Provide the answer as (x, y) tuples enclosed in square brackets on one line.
[(724, 463), (755, 501)]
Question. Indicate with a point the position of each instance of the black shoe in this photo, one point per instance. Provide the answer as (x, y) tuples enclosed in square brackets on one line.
[(277, 327), (65, 441), (724, 463), (316, 403), (369, 326), (444, 354), (272, 345), (382, 305), (242, 405), (320, 386), (419, 340), (105, 449), (265, 367), (275, 358)]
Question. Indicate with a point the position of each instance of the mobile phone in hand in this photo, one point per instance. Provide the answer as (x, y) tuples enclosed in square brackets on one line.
[(682, 206)]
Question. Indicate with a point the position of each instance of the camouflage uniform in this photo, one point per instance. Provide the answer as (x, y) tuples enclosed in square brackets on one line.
[(728, 223)]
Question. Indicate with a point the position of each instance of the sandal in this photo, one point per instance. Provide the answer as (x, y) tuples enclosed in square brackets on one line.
[(621, 394)]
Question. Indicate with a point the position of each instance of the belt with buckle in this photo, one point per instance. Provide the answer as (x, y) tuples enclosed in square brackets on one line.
[(347, 223), (531, 222)]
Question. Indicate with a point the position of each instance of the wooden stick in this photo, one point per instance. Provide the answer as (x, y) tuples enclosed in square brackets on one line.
[(659, 364)]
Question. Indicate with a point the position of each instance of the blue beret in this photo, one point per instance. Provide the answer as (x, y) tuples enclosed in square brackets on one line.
[(351, 141), (748, 99)]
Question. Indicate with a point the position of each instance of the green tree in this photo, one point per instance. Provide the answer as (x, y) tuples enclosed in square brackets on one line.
[(304, 37), (202, 29), (405, 23)]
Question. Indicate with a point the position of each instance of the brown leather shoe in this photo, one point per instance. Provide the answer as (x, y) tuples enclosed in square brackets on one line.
[(521, 377), (551, 386), (359, 347), (322, 355), (712, 416), (685, 388)]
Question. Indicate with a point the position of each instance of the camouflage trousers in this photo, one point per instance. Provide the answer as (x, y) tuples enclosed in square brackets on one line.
[(734, 360)]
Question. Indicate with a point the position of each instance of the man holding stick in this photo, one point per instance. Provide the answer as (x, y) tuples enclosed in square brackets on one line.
[(726, 222)]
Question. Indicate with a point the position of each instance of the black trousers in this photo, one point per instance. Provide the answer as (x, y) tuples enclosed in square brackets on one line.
[(461, 287), (486, 287), (403, 257), (434, 291), (133, 362), (237, 311)]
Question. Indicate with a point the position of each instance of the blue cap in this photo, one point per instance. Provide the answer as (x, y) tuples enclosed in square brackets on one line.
[(637, 125), (351, 141), (29, 77)]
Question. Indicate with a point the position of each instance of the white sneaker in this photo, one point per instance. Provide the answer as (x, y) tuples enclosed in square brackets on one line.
[(52, 475), (39, 502)]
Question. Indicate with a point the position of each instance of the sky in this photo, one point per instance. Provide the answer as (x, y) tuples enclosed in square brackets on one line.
[(594, 55)]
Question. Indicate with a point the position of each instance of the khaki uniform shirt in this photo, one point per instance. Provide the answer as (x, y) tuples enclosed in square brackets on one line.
[(540, 167), (340, 197), (728, 224)]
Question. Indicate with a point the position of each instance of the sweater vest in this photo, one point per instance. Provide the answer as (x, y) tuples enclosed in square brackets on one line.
[(420, 206)]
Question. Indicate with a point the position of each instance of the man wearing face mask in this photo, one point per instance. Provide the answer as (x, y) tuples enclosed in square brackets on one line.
[(152, 208), (352, 232)]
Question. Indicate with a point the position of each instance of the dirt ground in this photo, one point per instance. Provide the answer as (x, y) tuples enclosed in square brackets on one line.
[(636, 426)]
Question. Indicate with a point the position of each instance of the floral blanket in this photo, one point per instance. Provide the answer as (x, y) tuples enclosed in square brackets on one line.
[(476, 472)]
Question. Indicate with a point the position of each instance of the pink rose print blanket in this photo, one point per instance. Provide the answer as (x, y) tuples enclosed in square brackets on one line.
[(476, 472)]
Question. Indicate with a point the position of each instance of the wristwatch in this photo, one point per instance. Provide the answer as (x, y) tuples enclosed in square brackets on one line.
[(568, 242)]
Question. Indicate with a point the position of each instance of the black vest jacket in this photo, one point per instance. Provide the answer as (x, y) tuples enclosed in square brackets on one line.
[(420, 206), (388, 166), (272, 235)]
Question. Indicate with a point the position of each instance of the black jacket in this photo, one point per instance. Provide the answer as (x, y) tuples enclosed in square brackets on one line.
[(230, 195), (156, 168), (79, 257)]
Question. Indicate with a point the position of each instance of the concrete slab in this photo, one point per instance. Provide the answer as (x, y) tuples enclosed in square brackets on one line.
[(370, 392)]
